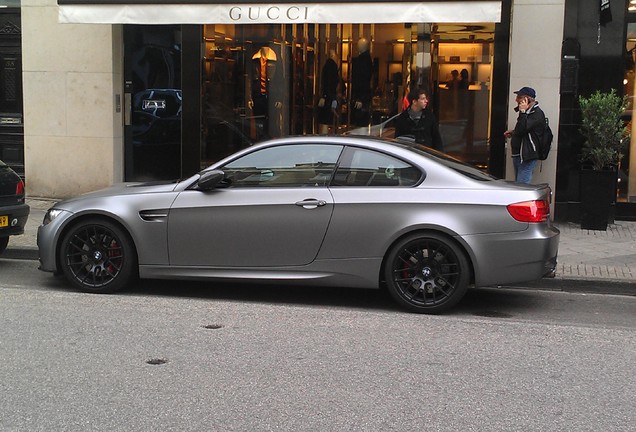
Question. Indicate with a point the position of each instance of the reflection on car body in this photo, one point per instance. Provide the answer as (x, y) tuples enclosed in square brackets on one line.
[(314, 210)]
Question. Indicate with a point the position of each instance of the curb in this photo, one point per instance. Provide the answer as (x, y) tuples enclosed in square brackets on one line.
[(20, 253), (580, 285)]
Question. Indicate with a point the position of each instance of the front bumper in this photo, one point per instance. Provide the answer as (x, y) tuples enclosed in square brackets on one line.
[(47, 239)]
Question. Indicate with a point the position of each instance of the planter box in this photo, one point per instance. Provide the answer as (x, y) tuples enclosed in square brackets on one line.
[(598, 193)]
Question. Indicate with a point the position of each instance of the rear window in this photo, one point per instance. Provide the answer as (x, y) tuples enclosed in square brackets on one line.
[(450, 162)]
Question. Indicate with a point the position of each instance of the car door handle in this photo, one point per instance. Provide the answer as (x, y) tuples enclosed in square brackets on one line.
[(311, 203)]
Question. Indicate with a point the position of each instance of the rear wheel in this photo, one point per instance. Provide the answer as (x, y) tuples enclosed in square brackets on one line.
[(427, 273), (98, 256)]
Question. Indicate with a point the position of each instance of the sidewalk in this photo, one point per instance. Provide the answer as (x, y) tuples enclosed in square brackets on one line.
[(598, 260)]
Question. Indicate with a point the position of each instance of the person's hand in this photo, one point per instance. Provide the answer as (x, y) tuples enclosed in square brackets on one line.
[(358, 105), (508, 134), (523, 105), (278, 105)]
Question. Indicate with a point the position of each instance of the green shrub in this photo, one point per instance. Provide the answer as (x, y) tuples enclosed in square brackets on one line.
[(603, 129)]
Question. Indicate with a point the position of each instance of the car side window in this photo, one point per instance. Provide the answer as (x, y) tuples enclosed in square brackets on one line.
[(285, 166), (362, 167)]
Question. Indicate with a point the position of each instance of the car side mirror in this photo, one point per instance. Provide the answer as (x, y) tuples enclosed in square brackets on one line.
[(210, 179)]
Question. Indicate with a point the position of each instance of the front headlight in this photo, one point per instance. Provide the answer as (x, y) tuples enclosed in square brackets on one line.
[(50, 215)]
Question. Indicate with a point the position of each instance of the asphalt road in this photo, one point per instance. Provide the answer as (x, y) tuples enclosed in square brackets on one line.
[(193, 357)]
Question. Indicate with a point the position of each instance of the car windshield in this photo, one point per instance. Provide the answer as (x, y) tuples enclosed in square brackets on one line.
[(448, 161)]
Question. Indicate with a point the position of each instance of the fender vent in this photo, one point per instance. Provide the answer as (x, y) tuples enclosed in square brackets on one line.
[(158, 215)]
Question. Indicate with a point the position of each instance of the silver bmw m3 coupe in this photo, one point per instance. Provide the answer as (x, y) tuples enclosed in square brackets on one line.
[(315, 210)]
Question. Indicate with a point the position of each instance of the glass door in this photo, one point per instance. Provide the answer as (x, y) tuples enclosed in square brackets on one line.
[(153, 102)]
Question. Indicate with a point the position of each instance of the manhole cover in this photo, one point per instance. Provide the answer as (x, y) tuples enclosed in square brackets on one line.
[(493, 314)]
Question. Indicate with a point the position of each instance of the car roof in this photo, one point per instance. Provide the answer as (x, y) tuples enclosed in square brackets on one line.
[(359, 140)]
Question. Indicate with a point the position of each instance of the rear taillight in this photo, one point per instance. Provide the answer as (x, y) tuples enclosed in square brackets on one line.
[(19, 188), (530, 211)]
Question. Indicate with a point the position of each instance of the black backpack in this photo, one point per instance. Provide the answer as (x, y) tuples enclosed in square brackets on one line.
[(545, 141)]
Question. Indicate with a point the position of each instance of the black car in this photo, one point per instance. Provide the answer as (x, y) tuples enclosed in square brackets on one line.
[(14, 212)]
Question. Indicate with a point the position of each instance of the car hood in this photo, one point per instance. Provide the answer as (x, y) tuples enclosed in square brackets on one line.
[(128, 188)]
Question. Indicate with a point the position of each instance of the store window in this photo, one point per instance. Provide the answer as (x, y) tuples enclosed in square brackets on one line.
[(626, 180), (267, 81), (464, 60)]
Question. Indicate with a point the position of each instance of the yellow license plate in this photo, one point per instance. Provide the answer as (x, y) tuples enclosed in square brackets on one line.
[(4, 221)]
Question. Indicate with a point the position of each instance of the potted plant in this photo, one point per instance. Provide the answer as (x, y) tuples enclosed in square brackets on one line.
[(605, 137)]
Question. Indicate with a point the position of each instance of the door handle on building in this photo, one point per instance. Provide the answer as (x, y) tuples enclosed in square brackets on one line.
[(127, 109)]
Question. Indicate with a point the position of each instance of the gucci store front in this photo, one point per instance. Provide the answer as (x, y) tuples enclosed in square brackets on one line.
[(203, 80)]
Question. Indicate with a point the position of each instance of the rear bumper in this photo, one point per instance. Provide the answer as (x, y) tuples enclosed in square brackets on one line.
[(18, 215), (514, 257)]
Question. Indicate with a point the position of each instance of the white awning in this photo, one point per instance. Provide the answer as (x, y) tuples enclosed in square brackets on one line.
[(284, 13)]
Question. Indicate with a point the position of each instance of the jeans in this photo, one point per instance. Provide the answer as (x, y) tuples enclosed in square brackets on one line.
[(523, 170)]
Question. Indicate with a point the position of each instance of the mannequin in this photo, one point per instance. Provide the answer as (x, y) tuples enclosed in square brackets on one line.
[(328, 102), (361, 92), (265, 93)]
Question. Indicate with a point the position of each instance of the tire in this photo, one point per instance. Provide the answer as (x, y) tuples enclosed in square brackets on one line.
[(427, 273), (98, 256), (4, 242)]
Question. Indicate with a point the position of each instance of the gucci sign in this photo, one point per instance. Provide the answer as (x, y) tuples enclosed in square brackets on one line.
[(268, 14)]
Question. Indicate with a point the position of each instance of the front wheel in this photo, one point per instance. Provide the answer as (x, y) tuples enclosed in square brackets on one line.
[(427, 273), (98, 256)]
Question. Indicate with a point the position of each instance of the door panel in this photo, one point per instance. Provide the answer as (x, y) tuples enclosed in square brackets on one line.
[(248, 227)]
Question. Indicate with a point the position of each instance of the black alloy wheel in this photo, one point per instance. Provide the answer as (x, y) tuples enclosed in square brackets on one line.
[(427, 273), (98, 256)]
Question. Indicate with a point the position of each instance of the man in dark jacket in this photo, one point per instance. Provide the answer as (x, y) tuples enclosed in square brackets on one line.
[(524, 138), (418, 122)]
